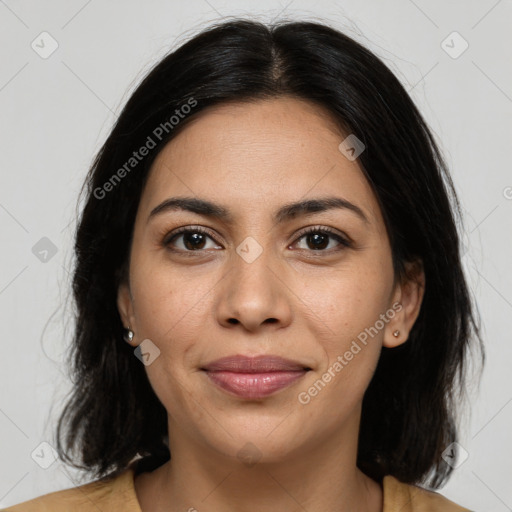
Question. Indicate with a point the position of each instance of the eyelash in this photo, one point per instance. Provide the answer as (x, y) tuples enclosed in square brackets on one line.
[(344, 243)]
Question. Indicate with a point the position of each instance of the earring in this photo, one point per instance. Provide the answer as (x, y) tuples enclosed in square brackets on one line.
[(396, 333), (128, 335)]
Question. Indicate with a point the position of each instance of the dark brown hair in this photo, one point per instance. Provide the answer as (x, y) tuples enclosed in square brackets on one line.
[(408, 415)]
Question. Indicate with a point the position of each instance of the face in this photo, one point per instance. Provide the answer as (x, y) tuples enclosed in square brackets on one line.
[(252, 276)]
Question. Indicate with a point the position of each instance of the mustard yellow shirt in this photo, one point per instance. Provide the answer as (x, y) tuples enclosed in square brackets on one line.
[(118, 495)]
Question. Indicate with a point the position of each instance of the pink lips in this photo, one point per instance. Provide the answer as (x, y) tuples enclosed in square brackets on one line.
[(254, 377)]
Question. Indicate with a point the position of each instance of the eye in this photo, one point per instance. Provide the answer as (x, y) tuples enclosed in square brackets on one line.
[(192, 238), (195, 238), (319, 238)]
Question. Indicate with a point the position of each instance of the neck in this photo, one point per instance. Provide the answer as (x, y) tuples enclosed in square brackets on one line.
[(318, 477)]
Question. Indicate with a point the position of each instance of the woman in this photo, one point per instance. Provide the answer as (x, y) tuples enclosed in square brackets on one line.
[(272, 312)]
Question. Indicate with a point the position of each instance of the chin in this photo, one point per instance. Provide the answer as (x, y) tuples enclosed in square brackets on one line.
[(264, 441)]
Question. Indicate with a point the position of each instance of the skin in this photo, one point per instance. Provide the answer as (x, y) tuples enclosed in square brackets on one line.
[(252, 158)]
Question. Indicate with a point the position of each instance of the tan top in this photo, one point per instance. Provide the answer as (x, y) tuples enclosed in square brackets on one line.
[(119, 495)]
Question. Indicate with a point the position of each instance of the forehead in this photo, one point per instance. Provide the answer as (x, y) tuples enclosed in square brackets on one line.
[(259, 155)]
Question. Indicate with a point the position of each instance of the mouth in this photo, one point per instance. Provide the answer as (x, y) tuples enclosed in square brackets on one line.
[(254, 377)]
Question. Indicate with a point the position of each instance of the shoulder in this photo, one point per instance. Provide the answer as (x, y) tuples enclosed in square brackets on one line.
[(410, 498), (116, 495)]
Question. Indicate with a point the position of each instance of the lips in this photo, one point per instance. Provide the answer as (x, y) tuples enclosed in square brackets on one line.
[(254, 377), (257, 364)]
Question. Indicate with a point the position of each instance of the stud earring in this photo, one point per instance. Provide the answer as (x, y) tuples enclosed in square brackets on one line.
[(396, 333), (128, 335)]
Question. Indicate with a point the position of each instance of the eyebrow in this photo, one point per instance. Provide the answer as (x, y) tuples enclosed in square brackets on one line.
[(286, 212)]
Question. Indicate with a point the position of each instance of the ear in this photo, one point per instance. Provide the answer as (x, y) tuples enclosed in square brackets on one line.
[(125, 306), (409, 294)]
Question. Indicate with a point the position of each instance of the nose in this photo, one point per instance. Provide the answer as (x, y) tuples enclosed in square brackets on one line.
[(254, 294)]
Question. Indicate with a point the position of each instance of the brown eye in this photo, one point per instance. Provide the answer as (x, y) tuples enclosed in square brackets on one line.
[(189, 240), (319, 239)]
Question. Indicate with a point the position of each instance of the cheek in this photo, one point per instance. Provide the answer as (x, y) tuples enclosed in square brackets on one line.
[(346, 302), (344, 312), (169, 300), (170, 308), (170, 312), (351, 345)]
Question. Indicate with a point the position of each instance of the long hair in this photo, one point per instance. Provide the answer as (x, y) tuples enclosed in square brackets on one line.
[(409, 409)]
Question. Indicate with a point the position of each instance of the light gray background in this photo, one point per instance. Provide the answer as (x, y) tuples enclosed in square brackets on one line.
[(56, 112)]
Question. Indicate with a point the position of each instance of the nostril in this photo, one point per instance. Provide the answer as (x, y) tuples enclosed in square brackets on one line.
[(233, 321)]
